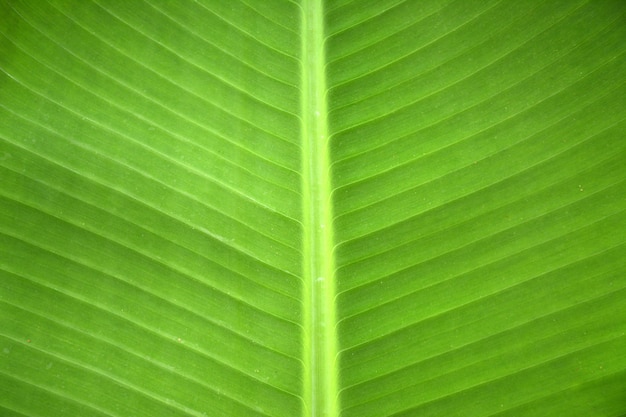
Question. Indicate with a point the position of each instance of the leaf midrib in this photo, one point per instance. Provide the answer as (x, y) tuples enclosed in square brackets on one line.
[(319, 335)]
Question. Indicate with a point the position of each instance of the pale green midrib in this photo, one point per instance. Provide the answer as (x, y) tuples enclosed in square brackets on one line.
[(320, 341)]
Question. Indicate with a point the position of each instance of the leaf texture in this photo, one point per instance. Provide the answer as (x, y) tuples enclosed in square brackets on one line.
[(152, 215), (478, 160), (342, 208)]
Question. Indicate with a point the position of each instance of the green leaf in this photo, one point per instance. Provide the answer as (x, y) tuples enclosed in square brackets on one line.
[(278, 208)]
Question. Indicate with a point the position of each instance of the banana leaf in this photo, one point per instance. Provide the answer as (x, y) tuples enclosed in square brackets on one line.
[(342, 208)]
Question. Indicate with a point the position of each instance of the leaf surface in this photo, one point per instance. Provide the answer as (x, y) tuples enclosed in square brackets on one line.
[(344, 208)]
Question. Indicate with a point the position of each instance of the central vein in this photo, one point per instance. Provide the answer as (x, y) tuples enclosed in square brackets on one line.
[(320, 341)]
